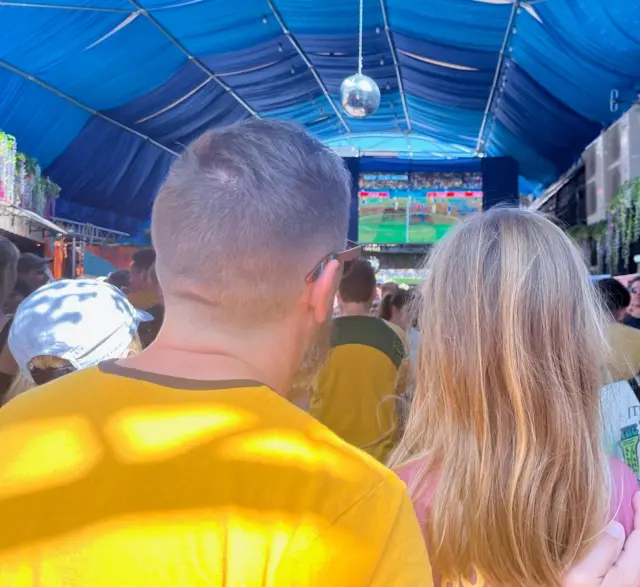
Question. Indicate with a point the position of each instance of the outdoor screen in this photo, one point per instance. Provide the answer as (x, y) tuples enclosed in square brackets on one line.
[(419, 208)]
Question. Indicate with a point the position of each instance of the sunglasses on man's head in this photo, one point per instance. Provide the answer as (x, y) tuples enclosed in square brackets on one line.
[(345, 258)]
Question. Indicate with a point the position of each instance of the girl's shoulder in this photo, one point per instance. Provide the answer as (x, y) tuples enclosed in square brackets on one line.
[(624, 487), (421, 495)]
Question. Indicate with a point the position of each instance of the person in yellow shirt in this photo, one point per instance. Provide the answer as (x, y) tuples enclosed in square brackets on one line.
[(186, 465), (356, 395), (624, 341)]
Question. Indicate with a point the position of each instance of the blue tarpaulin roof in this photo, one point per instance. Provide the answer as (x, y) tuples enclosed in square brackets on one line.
[(105, 92)]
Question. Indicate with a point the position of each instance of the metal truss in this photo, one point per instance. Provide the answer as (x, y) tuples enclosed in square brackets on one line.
[(394, 55), (308, 63), (497, 79), (88, 233), (57, 92), (210, 74)]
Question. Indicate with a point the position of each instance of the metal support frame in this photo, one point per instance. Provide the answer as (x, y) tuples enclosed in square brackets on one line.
[(394, 55), (482, 142), (46, 86), (210, 74), (65, 7), (308, 63), (89, 233)]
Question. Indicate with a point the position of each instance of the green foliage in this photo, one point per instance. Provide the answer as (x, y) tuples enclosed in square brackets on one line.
[(614, 236)]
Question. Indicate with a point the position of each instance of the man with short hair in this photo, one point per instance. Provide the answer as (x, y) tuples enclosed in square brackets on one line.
[(32, 271), (142, 291), (356, 395), (186, 464)]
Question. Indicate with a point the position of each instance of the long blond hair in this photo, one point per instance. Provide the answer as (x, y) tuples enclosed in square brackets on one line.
[(505, 423)]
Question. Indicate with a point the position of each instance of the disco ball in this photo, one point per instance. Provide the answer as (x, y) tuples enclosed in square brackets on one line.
[(359, 96)]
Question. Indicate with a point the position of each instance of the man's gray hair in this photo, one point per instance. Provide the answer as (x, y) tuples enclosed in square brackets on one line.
[(245, 213)]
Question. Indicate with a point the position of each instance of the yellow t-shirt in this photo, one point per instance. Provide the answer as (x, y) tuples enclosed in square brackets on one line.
[(356, 395), (624, 361), (111, 477), (143, 299)]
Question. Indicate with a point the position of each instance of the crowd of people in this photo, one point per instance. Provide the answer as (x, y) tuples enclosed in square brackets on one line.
[(230, 412)]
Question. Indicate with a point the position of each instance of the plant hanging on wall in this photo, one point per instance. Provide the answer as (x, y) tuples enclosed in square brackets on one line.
[(585, 235), (623, 224)]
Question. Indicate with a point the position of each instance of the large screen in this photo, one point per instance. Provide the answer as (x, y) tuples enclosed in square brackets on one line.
[(398, 208)]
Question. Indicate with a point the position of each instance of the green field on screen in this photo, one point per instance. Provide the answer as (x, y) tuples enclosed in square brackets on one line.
[(378, 224)]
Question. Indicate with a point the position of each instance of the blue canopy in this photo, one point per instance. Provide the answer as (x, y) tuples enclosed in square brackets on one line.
[(105, 93)]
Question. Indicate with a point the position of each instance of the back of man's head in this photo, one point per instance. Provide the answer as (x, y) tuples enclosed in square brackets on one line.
[(358, 286), (245, 213), (614, 296)]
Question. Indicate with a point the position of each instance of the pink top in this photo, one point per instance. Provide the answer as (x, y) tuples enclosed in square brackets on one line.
[(625, 485)]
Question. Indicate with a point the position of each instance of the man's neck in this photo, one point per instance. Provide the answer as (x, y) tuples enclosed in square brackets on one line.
[(208, 352), (354, 309)]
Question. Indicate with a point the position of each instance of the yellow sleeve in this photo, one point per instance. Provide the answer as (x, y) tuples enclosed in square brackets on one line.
[(377, 542), (404, 561)]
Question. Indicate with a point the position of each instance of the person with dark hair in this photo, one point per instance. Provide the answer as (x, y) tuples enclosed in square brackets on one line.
[(388, 288), (624, 341), (9, 256), (142, 291), (356, 392), (20, 292), (615, 296), (148, 331), (393, 308), (32, 271), (632, 318), (621, 397), (120, 279)]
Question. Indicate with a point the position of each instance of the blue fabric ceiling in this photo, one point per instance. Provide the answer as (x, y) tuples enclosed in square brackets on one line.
[(105, 92)]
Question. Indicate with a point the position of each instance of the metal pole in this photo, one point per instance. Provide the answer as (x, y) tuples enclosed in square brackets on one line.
[(74, 260), (193, 59), (481, 143), (394, 56), (46, 86), (65, 7), (407, 219), (308, 63)]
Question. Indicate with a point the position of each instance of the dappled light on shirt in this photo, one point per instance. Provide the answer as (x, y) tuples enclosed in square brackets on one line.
[(284, 446), (48, 454), (157, 433)]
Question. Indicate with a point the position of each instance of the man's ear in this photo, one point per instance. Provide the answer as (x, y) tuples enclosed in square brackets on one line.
[(324, 291)]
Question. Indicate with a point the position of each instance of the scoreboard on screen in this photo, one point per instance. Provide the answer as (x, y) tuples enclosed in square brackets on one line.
[(455, 194)]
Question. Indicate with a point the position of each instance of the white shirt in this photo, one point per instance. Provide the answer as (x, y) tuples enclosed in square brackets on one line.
[(621, 413)]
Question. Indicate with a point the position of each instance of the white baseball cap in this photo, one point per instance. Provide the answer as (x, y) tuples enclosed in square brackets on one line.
[(82, 321)]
